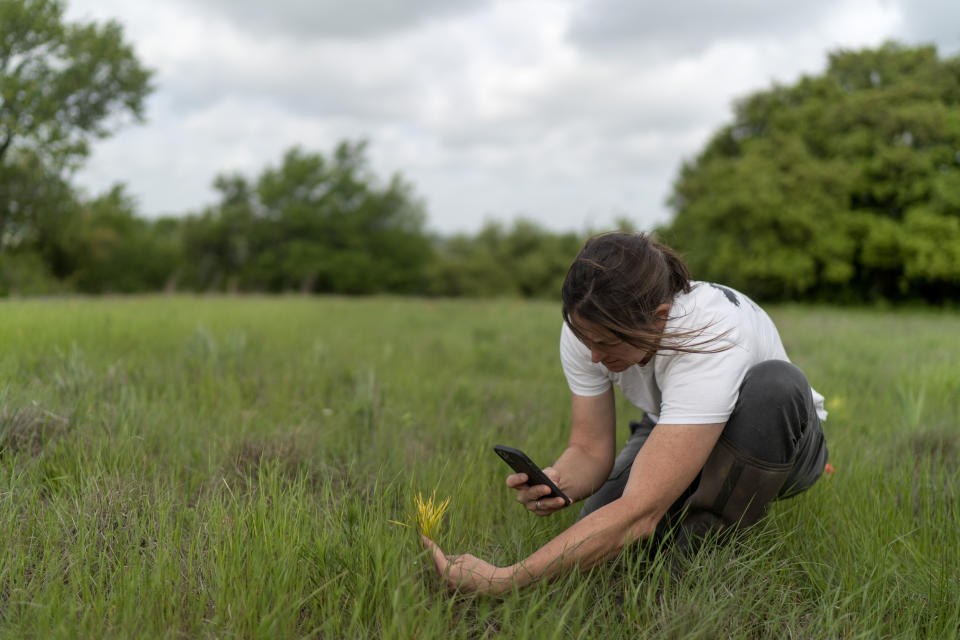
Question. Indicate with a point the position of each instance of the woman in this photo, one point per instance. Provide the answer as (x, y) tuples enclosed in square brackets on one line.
[(729, 424)]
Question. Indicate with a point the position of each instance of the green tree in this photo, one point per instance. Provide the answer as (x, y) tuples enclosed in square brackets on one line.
[(312, 224), (218, 244), (62, 85), (111, 250), (36, 207), (525, 260), (844, 186)]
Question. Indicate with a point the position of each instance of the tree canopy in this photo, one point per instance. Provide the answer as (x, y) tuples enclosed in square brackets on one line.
[(62, 84), (525, 260), (844, 186), (313, 224)]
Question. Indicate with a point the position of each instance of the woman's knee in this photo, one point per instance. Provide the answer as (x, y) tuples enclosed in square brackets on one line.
[(772, 380), (772, 411)]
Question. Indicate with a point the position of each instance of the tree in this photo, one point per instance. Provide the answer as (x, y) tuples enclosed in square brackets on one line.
[(313, 224), (111, 250), (525, 260), (61, 86), (844, 186), (218, 243)]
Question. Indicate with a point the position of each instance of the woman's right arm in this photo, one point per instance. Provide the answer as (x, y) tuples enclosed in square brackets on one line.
[(587, 460)]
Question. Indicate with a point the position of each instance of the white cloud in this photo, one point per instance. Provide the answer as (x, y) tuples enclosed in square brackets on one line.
[(308, 19), (687, 28), (936, 21)]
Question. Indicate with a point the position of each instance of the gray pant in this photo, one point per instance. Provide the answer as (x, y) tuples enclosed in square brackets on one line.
[(772, 447)]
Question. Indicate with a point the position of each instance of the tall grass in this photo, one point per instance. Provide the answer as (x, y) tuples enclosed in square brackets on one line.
[(228, 467)]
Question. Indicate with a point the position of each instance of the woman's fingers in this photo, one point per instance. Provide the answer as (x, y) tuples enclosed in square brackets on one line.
[(516, 480), (534, 498), (546, 506), (440, 560), (527, 494)]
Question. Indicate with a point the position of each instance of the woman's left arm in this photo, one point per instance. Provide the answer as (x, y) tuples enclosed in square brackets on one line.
[(666, 465)]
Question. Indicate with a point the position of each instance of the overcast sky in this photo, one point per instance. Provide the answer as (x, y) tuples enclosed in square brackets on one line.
[(568, 112)]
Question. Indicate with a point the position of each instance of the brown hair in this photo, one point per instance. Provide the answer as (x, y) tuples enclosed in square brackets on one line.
[(618, 280)]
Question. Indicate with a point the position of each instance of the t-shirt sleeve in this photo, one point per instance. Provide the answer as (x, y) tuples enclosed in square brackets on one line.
[(701, 388), (583, 376)]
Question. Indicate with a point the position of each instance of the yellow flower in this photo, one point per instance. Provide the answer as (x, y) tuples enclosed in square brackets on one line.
[(429, 514)]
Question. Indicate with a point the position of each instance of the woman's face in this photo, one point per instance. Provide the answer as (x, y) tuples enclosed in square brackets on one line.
[(612, 352), (609, 350)]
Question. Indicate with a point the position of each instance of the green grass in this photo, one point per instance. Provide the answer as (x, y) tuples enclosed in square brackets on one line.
[(226, 468)]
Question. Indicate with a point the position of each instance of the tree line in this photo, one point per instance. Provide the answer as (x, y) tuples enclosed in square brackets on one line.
[(311, 224), (842, 187)]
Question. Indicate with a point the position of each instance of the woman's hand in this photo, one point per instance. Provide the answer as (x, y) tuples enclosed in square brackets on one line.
[(468, 573), (534, 498)]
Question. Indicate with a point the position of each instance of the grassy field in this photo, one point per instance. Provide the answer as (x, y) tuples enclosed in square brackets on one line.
[(227, 467)]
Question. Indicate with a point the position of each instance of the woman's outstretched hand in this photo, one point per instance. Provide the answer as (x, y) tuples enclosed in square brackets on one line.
[(468, 573)]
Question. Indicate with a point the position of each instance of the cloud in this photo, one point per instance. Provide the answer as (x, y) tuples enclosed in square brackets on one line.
[(309, 19), (935, 21), (689, 27)]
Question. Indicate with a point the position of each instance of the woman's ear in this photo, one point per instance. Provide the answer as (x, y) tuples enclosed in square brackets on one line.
[(661, 315)]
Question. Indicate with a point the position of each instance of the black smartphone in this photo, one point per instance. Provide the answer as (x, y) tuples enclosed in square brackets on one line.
[(520, 463)]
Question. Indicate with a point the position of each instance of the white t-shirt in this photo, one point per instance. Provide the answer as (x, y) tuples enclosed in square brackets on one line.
[(688, 388)]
